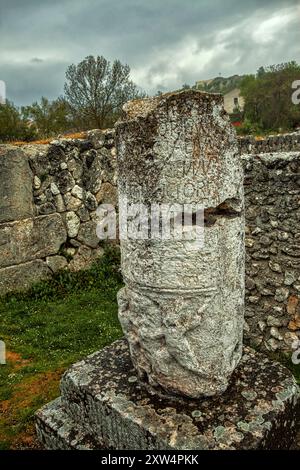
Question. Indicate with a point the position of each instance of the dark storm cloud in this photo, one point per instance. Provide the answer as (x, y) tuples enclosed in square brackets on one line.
[(166, 42)]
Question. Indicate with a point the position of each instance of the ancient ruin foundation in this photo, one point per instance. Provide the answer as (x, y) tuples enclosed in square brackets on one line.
[(182, 308)]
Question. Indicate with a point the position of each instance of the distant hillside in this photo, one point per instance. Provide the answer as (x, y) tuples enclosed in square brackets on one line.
[(220, 84)]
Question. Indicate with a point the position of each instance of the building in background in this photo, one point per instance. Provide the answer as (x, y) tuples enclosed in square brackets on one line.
[(229, 87), (233, 101)]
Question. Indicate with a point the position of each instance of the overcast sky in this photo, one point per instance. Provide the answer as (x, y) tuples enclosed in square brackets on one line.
[(165, 42)]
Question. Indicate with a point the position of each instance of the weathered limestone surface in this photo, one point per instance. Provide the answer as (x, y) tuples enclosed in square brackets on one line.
[(182, 308), (56, 263), (30, 239), (103, 405), (15, 185), (22, 276)]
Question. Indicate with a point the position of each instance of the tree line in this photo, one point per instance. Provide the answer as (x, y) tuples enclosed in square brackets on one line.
[(96, 89), (268, 99), (94, 93)]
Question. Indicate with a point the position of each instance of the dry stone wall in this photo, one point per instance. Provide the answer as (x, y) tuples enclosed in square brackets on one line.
[(271, 143), (48, 200), (272, 243), (272, 201)]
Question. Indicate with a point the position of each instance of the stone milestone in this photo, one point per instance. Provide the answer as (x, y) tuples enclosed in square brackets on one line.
[(182, 308)]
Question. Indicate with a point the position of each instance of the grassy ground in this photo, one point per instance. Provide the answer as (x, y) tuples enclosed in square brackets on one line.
[(45, 331)]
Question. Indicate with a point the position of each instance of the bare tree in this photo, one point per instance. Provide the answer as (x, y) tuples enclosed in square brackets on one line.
[(97, 89)]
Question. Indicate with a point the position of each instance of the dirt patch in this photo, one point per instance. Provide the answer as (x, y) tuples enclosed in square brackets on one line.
[(27, 397), (41, 385), (75, 135), (16, 359), (29, 443)]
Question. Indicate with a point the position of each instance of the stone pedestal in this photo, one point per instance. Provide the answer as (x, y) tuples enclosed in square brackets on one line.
[(104, 406)]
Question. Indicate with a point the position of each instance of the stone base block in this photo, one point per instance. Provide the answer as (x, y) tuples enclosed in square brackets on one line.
[(56, 430), (104, 406)]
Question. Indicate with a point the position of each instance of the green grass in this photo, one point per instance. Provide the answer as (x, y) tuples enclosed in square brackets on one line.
[(45, 330)]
